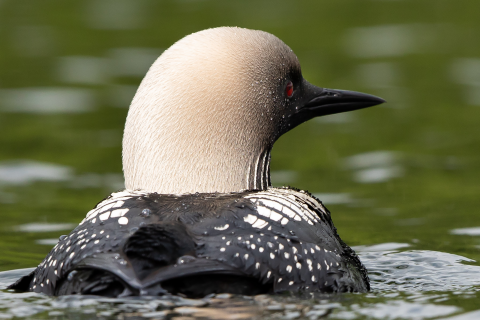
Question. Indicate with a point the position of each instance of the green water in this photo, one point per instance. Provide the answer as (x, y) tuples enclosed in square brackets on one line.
[(69, 69)]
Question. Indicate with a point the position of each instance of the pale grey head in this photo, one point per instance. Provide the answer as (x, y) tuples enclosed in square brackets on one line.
[(208, 111)]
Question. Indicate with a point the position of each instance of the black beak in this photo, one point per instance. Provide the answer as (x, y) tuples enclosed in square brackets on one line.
[(322, 102), (330, 101)]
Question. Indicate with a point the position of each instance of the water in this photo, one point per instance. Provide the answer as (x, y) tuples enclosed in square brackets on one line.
[(400, 179)]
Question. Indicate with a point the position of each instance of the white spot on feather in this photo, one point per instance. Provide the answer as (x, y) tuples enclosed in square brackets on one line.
[(107, 206), (250, 219), (119, 213), (264, 211), (104, 216), (92, 213), (259, 224), (221, 228), (275, 216), (289, 212), (118, 204), (123, 220)]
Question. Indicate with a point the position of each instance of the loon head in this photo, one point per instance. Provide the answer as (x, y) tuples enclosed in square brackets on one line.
[(209, 109)]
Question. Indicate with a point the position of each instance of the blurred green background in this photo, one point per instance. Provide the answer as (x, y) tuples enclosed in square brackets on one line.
[(406, 172)]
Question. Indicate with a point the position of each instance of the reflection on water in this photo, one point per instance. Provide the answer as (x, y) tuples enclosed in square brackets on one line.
[(381, 41), (22, 172), (371, 159), (473, 231), (420, 270), (399, 310), (119, 62), (115, 14), (44, 227), (466, 316), (132, 62), (83, 70), (383, 247), (47, 242), (379, 74), (467, 73), (416, 283), (334, 198), (112, 181), (378, 174), (47, 100), (374, 167)]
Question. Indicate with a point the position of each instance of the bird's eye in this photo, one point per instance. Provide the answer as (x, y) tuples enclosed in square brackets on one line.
[(289, 89)]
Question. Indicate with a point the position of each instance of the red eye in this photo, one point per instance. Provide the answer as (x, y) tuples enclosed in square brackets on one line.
[(289, 89)]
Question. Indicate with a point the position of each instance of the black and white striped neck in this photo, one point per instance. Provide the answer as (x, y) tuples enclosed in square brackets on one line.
[(258, 175)]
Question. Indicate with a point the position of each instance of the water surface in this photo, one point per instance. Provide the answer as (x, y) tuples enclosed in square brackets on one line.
[(401, 179)]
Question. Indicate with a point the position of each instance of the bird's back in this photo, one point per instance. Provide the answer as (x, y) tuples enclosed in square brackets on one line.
[(252, 242)]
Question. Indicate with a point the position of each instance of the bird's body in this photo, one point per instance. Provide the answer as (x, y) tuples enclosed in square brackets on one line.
[(199, 215), (254, 241)]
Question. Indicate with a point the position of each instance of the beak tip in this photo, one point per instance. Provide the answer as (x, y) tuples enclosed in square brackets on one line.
[(379, 100)]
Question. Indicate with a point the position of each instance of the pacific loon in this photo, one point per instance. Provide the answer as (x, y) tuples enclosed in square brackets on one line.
[(199, 215)]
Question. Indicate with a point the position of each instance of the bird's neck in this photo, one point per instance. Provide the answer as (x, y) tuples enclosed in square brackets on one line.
[(197, 169), (258, 175)]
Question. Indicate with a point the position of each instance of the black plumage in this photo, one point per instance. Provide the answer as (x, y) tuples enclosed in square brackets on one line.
[(251, 242)]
